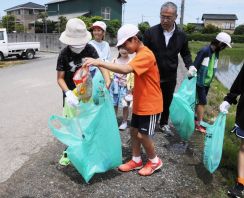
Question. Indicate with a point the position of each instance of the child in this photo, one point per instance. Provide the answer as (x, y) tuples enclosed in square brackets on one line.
[(147, 98), (76, 37), (237, 89), (206, 63), (102, 47), (121, 87)]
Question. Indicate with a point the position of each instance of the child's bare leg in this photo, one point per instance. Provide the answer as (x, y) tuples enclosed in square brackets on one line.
[(148, 145), (200, 112), (125, 114), (135, 142), (241, 160)]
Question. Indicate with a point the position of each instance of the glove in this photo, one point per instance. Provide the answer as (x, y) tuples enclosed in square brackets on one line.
[(192, 71), (71, 99), (224, 107)]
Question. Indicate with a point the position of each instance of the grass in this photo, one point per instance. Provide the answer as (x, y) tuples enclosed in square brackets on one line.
[(10, 62)]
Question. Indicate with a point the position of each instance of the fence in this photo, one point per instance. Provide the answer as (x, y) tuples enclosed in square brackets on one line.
[(49, 42)]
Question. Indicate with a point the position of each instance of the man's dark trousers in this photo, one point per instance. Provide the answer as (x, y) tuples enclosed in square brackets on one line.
[(167, 89)]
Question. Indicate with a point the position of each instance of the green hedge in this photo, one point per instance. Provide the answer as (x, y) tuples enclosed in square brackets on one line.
[(210, 37)]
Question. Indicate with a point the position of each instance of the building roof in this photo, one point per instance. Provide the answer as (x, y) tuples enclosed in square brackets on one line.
[(219, 16), (57, 1), (28, 5), (54, 18)]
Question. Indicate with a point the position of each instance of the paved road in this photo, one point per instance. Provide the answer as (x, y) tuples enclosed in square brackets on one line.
[(29, 95), (29, 153)]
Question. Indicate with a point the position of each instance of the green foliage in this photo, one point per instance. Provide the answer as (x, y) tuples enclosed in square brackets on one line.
[(19, 27), (210, 29), (143, 26), (189, 28), (60, 26), (239, 30), (201, 37), (8, 22), (210, 37), (113, 27)]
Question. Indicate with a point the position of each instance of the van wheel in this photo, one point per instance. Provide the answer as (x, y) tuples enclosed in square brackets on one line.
[(1, 56), (30, 54)]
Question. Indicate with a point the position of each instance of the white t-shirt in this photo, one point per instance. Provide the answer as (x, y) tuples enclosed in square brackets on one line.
[(102, 48), (168, 35)]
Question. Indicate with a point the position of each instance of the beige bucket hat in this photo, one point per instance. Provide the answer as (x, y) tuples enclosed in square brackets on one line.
[(75, 33)]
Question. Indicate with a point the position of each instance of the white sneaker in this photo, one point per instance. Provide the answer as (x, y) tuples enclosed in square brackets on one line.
[(123, 126), (166, 129)]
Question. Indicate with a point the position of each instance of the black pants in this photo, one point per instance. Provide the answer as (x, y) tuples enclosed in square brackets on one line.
[(167, 89)]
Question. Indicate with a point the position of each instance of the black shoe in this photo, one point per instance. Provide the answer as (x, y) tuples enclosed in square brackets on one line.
[(237, 191)]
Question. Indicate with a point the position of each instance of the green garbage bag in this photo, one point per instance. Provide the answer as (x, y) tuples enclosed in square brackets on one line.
[(91, 133), (213, 142), (182, 108)]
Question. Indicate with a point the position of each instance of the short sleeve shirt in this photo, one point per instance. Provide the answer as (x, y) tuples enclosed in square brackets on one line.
[(70, 62), (147, 95)]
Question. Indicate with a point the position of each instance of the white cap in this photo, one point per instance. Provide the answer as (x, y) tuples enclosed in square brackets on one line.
[(75, 33), (100, 24), (125, 32), (224, 38)]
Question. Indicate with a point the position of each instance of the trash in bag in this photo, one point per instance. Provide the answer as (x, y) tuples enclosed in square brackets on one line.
[(83, 81), (92, 136), (213, 143), (182, 108)]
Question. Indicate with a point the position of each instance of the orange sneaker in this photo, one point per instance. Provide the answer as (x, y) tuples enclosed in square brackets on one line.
[(130, 165), (150, 167)]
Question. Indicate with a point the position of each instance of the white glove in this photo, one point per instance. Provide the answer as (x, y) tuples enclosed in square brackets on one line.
[(71, 99), (192, 71), (224, 107)]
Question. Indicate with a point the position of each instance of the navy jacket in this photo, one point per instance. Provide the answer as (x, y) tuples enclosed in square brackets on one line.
[(167, 57), (237, 89)]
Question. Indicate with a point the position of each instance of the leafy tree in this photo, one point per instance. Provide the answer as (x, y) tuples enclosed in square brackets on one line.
[(210, 29), (19, 27), (60, 26), (113, 27), (143, 26), (8, 22), (239, 30), (189, 28)]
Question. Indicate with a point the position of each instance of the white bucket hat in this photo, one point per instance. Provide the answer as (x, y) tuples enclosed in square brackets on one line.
[(224, 38), (125, 32), (100, 24), (75, 33)]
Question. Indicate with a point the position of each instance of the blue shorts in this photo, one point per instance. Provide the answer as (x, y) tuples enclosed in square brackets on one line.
[(144, 123), (238, 131), (202, 93), (117, 97)]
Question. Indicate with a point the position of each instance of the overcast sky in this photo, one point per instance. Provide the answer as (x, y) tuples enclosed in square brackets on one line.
[(148, 10)]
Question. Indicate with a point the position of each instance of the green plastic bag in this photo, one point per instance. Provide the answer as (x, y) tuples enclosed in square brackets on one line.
[(92, 134), (182, 108), (213, 143)]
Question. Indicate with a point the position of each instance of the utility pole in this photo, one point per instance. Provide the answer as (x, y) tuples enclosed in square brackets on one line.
[(142, 18), (182, 13)]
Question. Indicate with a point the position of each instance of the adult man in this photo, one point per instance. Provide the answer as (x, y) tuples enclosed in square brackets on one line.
[(167, 41)]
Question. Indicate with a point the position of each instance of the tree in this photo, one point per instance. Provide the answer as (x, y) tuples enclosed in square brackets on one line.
[(113, 27), (189, 28), (19, 27), (210, 29), (143, 26), (60, 26), (8, 22), (239, 30)]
